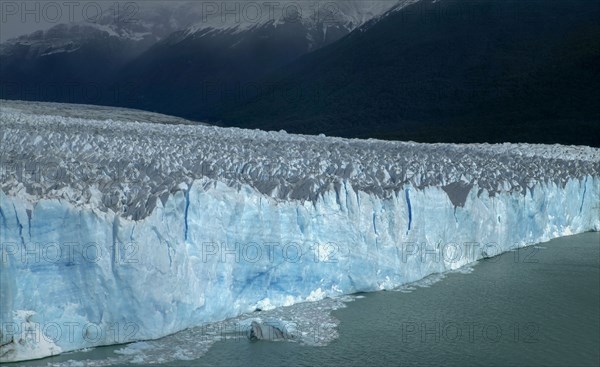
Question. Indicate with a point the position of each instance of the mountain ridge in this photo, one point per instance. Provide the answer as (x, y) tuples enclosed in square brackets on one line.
[(162, 57), (447, 71)]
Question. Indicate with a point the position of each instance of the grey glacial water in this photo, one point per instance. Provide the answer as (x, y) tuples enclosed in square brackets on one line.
[(539, 306)]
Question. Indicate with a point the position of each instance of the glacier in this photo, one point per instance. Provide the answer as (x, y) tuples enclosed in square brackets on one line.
[(115, 230)]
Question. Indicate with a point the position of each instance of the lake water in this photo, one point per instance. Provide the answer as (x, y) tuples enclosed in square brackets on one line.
[(536, 306)]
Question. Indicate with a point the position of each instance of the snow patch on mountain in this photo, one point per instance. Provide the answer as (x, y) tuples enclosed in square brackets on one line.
[(314, 16)]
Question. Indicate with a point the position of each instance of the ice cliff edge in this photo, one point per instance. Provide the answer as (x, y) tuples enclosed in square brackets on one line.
[(114, 231)]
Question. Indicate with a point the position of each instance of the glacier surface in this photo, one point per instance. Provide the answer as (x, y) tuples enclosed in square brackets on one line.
[(114, 230)]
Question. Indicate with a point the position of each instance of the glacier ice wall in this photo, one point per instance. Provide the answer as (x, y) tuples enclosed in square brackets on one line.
[(79, 270)]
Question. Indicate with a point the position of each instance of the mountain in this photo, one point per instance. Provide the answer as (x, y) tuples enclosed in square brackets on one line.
[(173, 55), (447, 70), (64, 63), (431, 71), (73, 62), (220, 59)]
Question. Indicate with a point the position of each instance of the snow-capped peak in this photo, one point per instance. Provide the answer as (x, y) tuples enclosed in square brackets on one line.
[(240, 16)]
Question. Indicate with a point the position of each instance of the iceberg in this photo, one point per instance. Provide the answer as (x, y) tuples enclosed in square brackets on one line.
[(114, 230)]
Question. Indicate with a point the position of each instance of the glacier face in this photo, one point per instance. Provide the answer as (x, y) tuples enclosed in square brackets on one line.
[(114, 231)]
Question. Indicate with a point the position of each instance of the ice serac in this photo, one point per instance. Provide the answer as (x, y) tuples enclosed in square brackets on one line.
[(114, 231)]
